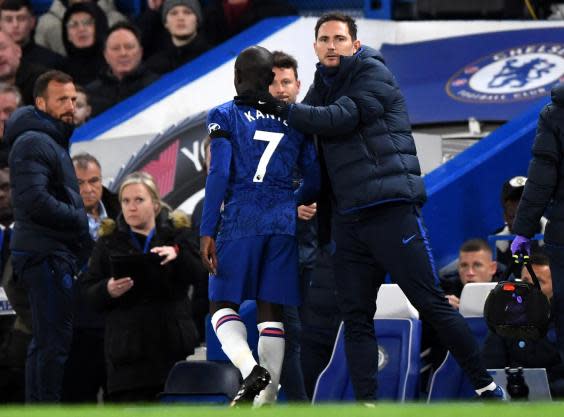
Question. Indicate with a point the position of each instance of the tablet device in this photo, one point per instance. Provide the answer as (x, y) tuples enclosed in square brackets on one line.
[(143, 269)]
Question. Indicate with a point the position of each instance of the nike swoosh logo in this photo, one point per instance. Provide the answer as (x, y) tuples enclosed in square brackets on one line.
[(261, 102), (406, 241)]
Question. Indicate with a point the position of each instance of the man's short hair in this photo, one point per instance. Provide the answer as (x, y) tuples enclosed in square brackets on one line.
[(82, 160), (15, 5), (340, 17), (6, 88), (125, 26), (476, 245), (40, 87), (284, 60)]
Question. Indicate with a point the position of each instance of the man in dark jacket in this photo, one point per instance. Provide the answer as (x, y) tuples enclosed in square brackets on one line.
[(125, 75), (182, 20), (372, 185), (51, 228), (544, 190)]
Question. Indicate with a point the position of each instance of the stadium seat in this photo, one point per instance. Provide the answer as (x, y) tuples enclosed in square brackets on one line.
[(398, 331), (473, 298), (201, 382)]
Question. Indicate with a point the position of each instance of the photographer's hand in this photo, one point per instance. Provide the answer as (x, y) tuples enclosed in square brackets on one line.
[(521, 244)]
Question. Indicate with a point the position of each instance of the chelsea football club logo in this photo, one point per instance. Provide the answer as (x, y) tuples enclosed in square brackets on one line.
[(383, 357), (515, 74)]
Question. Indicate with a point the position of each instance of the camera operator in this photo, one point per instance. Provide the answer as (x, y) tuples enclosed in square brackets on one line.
[(499, 352)]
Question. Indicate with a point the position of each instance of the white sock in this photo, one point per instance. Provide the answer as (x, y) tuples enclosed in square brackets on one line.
[(489, 387), (232, 335), (271, 356)]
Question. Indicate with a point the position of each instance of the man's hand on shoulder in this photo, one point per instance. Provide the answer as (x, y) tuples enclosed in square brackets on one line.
[(208, 253), (265, 103)]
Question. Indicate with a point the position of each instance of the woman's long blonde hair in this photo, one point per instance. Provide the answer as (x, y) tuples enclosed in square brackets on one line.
[(147, 180)]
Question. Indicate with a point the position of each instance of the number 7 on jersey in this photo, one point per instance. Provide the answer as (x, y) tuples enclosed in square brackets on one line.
[(273, 140)]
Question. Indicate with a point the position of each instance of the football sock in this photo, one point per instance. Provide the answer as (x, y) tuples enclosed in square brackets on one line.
[(271, 355), (232, 335)]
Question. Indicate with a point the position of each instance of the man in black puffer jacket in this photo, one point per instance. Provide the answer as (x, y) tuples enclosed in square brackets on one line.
[(372, 186), (51, 228), (544, 191)]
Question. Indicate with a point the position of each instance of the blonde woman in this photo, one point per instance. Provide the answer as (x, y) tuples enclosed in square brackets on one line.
[(149, 323)]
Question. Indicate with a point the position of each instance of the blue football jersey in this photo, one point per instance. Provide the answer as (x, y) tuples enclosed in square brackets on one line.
[(264, 154)]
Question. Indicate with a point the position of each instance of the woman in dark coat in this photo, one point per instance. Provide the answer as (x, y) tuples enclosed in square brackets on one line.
[(85, 27), (149, 322)]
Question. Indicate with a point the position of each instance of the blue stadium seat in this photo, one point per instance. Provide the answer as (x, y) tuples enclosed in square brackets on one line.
[(201, 382), (399, 344)]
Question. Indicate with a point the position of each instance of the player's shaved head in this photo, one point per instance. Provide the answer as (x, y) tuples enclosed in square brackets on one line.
[(253, 69)]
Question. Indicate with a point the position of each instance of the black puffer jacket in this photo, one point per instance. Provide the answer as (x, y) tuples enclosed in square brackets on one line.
[(48, 210), (364, 131), (147, 331), (545, 180)]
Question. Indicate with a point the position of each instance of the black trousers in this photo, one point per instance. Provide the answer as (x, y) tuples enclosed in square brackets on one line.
[(392, 238)]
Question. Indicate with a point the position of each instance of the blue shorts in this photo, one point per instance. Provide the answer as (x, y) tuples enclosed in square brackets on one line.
[(257, 268)]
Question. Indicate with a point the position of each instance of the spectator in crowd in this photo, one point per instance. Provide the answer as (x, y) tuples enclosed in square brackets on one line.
[(10, 100), (148, 320), (13, 349), (182, 19), (499, 352), (83, 110), (154, 36), (85, 371), (286, 86), (50, 237), (14, 72), (511, 193), (226, 18), (475, 264), (49, 32), (373, 188), (84, 30), (125, 75), (18, 21), (545, 190)]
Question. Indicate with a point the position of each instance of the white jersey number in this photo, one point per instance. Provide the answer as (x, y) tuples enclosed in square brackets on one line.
[(273, 140)]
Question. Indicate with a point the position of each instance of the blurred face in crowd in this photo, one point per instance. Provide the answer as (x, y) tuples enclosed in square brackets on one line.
[(285, 86), (10, 56), (138, 208), (123, 52), (8, 104), (58, 101), (181, 22), (82, 110), (18, 24), (90, 183), (81, 30), (543, 275), (5, 195), (476, 266), (334, 40)]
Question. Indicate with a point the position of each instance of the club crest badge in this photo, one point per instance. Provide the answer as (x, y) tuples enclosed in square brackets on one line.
[(521, 73)]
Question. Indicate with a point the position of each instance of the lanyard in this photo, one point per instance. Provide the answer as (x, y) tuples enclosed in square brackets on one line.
[(136, 243)]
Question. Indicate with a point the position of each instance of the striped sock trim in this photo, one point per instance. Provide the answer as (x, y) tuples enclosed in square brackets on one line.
[(272, 332), (227, 318)]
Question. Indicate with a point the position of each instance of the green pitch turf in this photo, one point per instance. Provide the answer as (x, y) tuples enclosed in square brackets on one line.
[(382, 409)]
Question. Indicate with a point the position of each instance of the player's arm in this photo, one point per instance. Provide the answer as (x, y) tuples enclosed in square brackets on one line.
[(216, 186), (308, 165)]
